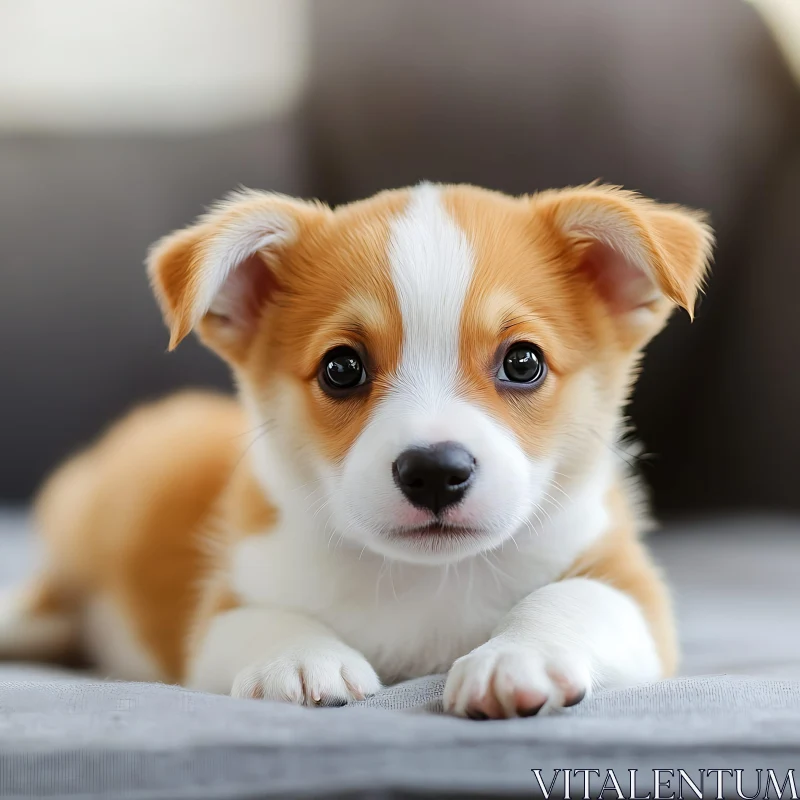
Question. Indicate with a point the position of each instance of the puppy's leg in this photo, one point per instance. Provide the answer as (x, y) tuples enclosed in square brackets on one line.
[(40, 619), (552, 649), (37, 622), (279, 655)]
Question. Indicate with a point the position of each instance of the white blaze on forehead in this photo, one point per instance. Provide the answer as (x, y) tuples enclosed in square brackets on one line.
[(432, 264)]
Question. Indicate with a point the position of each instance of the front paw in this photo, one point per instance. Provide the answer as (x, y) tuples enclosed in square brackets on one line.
[(324, 676), (500, 680)]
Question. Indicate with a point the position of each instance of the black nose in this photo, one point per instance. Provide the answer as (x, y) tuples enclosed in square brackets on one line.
[(434, 477)]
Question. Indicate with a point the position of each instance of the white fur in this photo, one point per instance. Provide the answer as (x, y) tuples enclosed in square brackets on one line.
[(411, 619), (556, 646), (27, 635), (239, 238), (279, 655), (113, 644), (432, 265)]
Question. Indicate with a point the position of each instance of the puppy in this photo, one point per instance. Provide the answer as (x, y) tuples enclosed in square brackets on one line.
[(419, 476)]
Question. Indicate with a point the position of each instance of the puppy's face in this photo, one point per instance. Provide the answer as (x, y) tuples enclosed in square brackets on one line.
[(442, 362)]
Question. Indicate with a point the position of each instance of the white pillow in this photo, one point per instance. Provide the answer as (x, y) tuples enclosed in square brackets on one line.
[(149, 65)]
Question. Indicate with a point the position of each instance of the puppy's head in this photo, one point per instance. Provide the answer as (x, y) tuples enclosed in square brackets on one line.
[(437, 361)]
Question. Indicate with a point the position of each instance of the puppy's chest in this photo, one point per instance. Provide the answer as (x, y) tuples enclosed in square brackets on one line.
[(418, 627), (407, 620)]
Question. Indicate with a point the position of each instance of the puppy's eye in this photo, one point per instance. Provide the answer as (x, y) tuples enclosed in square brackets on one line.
[(341, 369), (523, 363)]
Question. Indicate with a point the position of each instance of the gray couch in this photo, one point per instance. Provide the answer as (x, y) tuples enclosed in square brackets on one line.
[(736, 705), (682, 100)]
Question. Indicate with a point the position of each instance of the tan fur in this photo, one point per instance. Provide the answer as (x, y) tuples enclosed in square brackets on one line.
[(145, 517), (590, 352), (336, 272), (621, 560), (130, 519), (578, 336)]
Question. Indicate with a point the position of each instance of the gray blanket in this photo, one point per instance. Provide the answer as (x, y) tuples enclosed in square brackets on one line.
[(737, 706)]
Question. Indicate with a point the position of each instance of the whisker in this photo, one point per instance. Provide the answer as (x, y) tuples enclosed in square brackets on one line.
[(471, 581), (556, 485), (529, 525), (378, 581), (247, 449), (267, 425), (324, 505), (497, 569), (316, 502), (492, 567), (307, 483), (550, 499), (535, 510), (545, 512), (443, 581)]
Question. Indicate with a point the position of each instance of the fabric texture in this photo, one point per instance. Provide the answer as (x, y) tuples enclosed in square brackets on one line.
[(69, 735), (99, 739)]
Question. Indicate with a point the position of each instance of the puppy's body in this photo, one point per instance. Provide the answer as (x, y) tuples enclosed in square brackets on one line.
[(275, 550)]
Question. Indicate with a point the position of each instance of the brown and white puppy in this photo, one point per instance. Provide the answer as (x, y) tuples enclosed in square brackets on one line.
[(420, 475)]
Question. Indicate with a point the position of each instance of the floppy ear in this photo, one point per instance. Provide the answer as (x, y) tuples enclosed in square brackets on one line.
[(219, 274), (641, 257)]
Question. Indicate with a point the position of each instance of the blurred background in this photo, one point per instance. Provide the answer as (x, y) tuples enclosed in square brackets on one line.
[(123, 119)]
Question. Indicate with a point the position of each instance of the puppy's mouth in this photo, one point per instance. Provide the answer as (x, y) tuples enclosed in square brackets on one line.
[(433, 530), (438, 541)]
